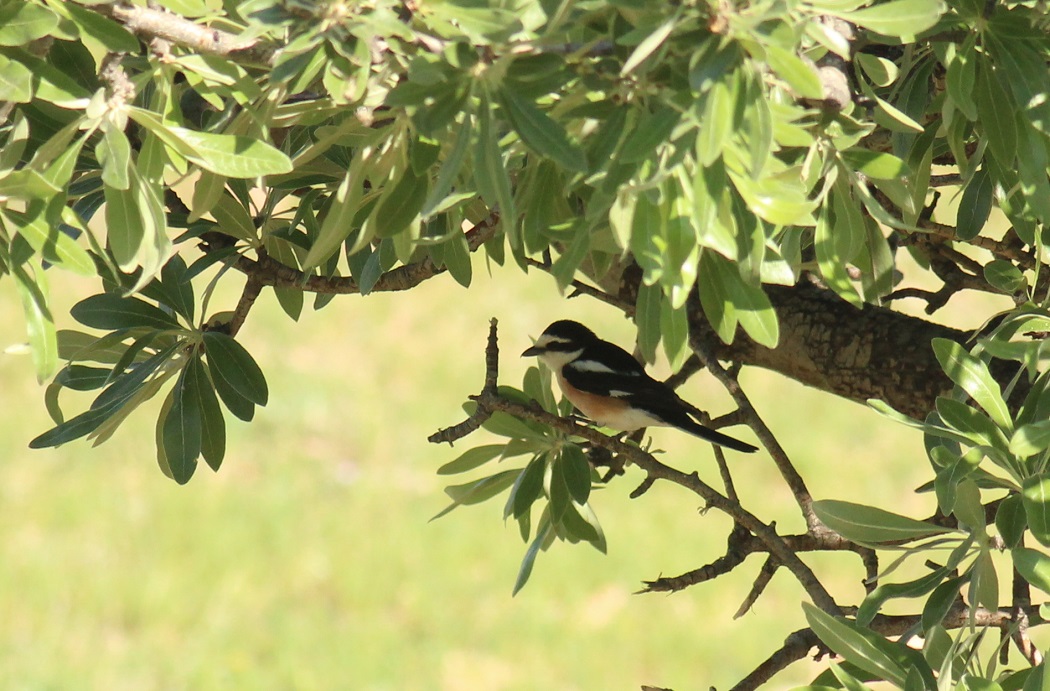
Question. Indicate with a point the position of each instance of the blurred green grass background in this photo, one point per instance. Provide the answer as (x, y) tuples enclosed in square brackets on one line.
[(308, 561)]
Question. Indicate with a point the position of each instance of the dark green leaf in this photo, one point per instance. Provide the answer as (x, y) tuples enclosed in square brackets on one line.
[(182, 432), (111, 311), (576, 472), (886, 591), (528, 487), (997, 115), (940, 601), (403, 205), (540, 133), (976, 205), (200, 392), (230, 363), (1011, 520)]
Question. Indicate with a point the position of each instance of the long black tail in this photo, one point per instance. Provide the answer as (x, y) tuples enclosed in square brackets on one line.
[(713, 436)]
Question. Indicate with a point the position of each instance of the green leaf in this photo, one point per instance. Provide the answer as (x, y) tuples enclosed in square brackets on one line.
[(868, 524), (997, 115), (471, 459), (752, 305), (490, 174), (201, 393), (24, 22), (1031, 439), (457, 259), (1003, 275), (479, 490), (233, 156), (539, 132), (16, 81), (975, 206), (865, 649), (111, 311), (649, 45), (182, 432), (114, 153), (941, 601), (875, 164), (125, 225), (1034, 566), (525, 570), (1035, 496), (647, 312), (231, 364), (576, 472), (903, 18), (972, 376), (403, 204), (886, 591), (976, 427), (40, 325), (106, 405), (338, 222), (528, 487), (114, 37), (1011, 520), (798, 74)]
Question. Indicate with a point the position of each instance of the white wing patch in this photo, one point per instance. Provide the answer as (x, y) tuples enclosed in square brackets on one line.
[(582, 365)]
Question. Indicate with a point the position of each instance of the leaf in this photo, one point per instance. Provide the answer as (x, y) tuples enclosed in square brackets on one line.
[(457, 259), (975, 206), (338, 222), (997, 115), (490, 174), (200, 391), (1031, 439), (1035, 496), (527, 488), (23, 22), (868, 524), (231, 364), (114, 153), (1011, 520), (527, 562), (897, 18), (402, 205), (576, 472), (182, 432), (649, 45), (111, 311), (479, 490), (124, 224), (875, 164), (863, 648), (107, 404), (40, 325), (234, 156), (539, 132), (471, 459), (16, 81), (886, 591), (1034, 566), (798, 74), (972, 376)]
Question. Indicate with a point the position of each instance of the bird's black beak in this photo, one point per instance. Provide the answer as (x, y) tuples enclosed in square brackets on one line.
[(533, 351)]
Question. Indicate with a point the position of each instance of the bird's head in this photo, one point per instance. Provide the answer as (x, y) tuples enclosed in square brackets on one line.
[(561, 343)]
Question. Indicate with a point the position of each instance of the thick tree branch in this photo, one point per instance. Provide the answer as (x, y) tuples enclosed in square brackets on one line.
[(270, 272), (149, 23)]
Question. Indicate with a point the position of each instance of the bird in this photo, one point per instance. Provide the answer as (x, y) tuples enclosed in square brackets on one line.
[(610, 387)]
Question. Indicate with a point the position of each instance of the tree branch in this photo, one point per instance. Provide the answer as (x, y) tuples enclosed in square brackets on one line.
[(149, 23)]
